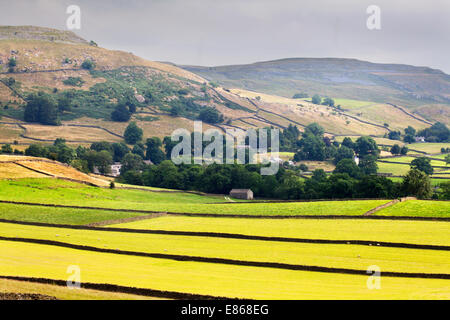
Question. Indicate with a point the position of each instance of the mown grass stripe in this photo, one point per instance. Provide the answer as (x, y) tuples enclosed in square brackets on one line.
[(237, 236), (275, 265)]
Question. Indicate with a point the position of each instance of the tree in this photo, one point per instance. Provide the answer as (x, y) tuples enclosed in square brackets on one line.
[(410, 131), (316, 99), (36, 150), (210, 115), (314, 129), (139, 149), (348, 166), (121, 113), (131, 162), (347, 142), (365, 146), (154, 152), (417, 183), (368, 164), (445, 190), (119, 150), (88, 64), (447, 159), (7, 149), (102, 160), (423, 164), (395, 149), (328, 102), (409, 138), (344, 153), (41, 108), (12, 62), (394, 135), (102, 145), (404, 150), (133, 133)]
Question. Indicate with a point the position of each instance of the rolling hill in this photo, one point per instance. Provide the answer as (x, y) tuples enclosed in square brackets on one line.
[(422, 89), (51, 60)]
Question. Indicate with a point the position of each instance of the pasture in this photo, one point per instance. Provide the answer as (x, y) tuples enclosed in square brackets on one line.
[(216, 256)]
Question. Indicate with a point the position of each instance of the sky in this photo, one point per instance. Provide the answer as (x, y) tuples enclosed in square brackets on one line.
[(213, 32)]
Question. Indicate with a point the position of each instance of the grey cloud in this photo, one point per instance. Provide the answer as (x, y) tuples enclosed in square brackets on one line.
[(211, 32)]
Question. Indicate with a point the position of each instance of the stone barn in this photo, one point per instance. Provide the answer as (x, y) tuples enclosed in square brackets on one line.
[(246, 194)]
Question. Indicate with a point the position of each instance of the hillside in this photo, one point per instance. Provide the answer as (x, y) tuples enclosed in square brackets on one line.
[(166, 97), (20, 167), (419, 88)]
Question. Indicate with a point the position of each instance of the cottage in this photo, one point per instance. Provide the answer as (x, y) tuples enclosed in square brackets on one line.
[(245, 194), (115, 169), (419, 139)]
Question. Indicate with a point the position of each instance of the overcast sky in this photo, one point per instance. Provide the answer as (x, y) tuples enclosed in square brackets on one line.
[(220, 32)]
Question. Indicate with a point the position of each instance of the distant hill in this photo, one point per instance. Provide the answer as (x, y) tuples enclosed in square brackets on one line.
[(165, 96), (339, 78)]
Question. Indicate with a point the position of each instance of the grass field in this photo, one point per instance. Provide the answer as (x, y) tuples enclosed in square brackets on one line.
[(394, 168), (418, 208), (340, 256), (420, 232), (31, 260), (215, 277), (429, 147)]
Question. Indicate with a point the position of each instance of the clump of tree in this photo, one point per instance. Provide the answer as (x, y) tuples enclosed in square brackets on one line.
[(396, 150), (41, 108), (395, 135), (328, 102), (301, 95), (210, 115), (438, 132)]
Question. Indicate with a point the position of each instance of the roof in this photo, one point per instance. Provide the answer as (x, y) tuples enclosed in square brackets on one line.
[(240, 190)]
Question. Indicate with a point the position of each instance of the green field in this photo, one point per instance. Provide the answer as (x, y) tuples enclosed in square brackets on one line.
[(59, 215), (395, 168), (42, 191), (352, 104), (418, 208), (215, 277)]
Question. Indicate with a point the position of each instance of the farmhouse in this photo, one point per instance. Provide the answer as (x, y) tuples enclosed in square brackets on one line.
[(246, 194)]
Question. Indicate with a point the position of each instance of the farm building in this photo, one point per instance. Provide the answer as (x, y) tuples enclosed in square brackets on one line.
[(246, 194)]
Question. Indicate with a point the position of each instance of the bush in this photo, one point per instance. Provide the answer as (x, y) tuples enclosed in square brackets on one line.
[(74, 81), (88, 64)]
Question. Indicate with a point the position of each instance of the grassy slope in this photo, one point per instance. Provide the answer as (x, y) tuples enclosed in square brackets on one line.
[(204, 278), (421, 232), (66, 193), (339, 256)]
